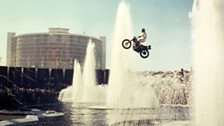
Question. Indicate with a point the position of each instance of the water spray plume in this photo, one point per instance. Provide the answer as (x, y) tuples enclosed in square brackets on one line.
[(208, 62), (89, 75), (118, 73), (84, 88), (124, 89), (77, 83), (74, 92)]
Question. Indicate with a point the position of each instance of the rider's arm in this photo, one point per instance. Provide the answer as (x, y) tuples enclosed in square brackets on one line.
[(141, 35)]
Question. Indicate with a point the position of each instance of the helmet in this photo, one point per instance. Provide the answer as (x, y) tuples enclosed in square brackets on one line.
[(143, 30)]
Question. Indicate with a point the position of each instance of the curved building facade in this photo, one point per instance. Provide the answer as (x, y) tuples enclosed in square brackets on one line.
[(55, 49)]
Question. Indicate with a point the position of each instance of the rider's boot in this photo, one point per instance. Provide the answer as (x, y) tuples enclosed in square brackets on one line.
[(137, 43), (149, 47)]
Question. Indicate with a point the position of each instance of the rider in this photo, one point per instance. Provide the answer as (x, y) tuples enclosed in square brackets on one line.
[(142, 37)]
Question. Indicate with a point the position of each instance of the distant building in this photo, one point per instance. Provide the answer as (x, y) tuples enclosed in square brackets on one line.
[(55, 49)]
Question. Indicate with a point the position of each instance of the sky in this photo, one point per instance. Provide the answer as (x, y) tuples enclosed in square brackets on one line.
[(167, 24)]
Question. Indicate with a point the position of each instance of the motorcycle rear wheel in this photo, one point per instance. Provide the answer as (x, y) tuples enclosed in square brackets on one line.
[(144, 53)]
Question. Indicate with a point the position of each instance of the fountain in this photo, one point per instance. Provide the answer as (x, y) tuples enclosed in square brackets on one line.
[(93, 93), (124, 90), (77, 87), (89, 80), (84, 88), (117, 93), (132, 98), (74, 92), (208, 50)]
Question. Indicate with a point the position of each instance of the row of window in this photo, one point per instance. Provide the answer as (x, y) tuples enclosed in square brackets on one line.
[(45, 52), (50, 55), (32, 41), (42, 44), (54, 38)]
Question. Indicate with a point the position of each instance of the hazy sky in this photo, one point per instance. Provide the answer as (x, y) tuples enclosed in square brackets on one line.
[(166, 21)]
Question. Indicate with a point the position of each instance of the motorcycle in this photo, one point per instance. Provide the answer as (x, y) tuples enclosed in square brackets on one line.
[(139, 48)]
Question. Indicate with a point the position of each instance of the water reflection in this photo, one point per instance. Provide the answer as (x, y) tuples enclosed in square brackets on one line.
[(82, 115), (97, 115)]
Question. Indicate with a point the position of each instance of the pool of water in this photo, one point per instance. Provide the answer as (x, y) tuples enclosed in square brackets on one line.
[(96, 114), (99, 115)]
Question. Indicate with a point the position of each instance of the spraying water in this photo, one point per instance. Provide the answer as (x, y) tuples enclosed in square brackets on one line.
[(208, 61), (125, 89), (74, 92), (89, 80), (89, 66), (117, 95), (84, 88), (77, 83), (92, 93)]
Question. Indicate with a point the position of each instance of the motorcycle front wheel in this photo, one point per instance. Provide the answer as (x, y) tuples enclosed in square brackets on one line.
[(126, 43), (144, 53)]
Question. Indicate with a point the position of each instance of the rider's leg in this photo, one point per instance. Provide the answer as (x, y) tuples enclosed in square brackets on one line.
[(140, 41)]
